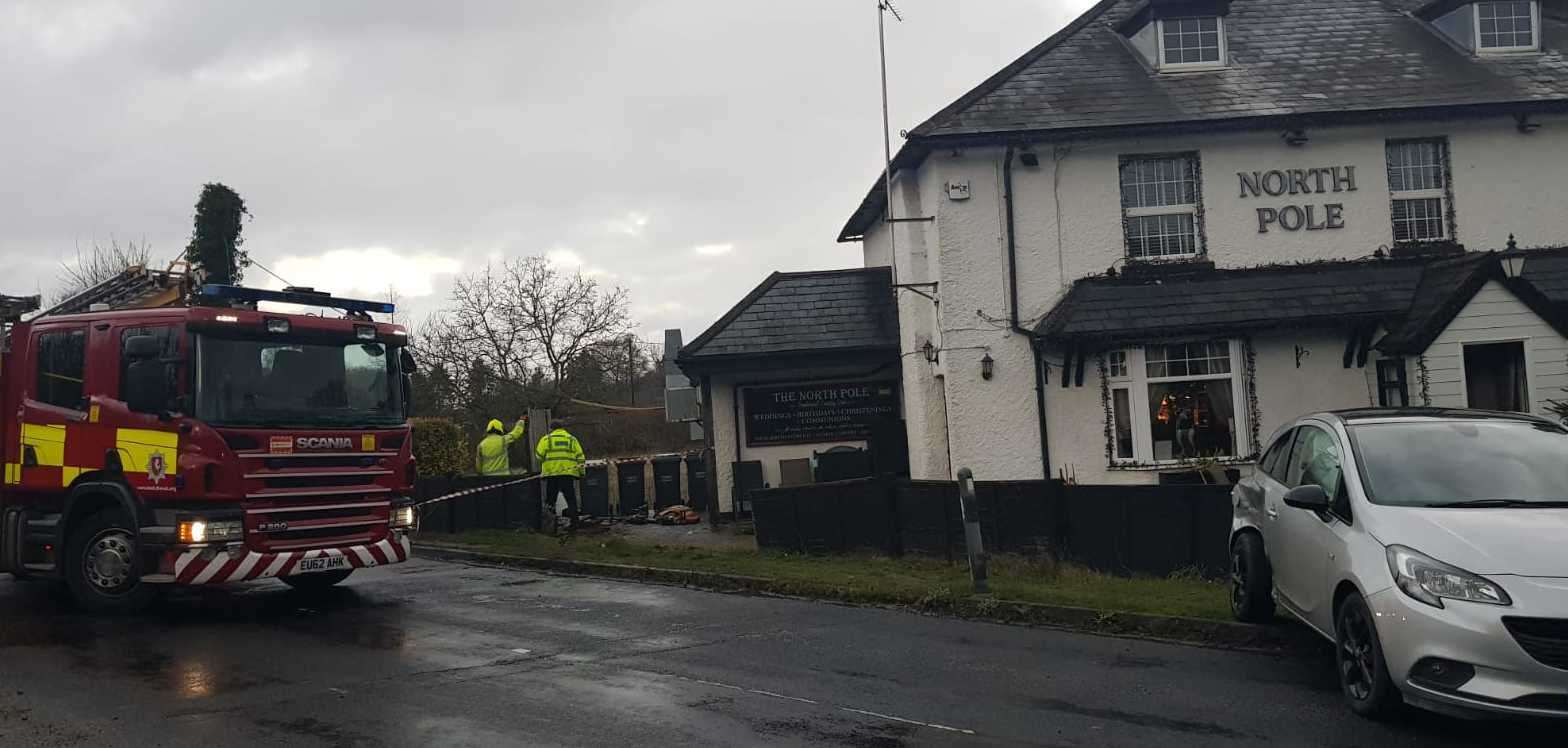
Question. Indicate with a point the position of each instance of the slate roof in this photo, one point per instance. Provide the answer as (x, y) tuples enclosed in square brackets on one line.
[(1235, 300), (1415, 299), (1295, 62), (812, 313)]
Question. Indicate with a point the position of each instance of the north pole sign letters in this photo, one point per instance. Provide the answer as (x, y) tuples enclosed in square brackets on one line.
[(1322, 180)]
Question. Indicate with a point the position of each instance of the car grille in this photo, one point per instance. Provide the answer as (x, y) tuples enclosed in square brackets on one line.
[(1545, 639)]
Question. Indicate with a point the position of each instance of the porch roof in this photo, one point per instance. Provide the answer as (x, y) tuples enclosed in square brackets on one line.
[(834, 315), (1414, 299)]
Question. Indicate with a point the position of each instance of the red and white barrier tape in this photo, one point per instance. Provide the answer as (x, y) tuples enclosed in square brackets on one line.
[(472, 491)]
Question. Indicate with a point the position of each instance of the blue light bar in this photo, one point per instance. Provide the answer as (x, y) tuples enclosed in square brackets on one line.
[(300, 296)]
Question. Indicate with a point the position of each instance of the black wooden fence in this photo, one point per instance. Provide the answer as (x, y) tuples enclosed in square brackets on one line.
[(1117, 529), (492, 505)]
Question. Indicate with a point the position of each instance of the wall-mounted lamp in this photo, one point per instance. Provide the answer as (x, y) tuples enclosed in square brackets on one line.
[(930, 352), (1523, 123), (987, 367), (1028, 157), (1512, 260), (1296, 138)]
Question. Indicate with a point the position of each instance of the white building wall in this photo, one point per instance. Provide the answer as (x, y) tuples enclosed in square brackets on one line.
[(1495, 315), (1068, 226)]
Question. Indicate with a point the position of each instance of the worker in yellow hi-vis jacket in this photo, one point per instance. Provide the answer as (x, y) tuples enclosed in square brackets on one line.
[(561, 463), (490, 458)]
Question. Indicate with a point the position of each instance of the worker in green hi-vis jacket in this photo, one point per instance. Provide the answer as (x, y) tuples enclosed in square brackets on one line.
[(491, 457)]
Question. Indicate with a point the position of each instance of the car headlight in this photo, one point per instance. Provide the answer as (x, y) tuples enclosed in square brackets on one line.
[(195, 531), (1429, 580), (402, 518)]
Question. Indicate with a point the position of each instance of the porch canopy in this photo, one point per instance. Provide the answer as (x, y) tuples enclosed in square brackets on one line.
[(1411, 299)]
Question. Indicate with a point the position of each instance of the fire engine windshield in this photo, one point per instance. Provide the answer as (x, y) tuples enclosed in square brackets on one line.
[(269, 382)]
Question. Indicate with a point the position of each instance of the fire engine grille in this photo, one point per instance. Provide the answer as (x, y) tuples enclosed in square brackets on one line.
[(317, 526), (324, 481), (1545, 639)]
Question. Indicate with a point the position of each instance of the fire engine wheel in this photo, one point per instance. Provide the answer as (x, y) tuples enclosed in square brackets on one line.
[(318, 581), (100, 565)]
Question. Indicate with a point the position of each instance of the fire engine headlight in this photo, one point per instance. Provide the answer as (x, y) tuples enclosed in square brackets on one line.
[(195, 531), (402, 518)]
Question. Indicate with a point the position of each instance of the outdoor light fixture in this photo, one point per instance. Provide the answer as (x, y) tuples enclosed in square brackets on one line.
[(987, 367), (1513, 264), (929, 351), (1028, 157), (1296, 138)]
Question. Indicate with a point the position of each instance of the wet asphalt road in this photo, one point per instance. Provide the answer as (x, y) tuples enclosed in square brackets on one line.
[(428, 653)]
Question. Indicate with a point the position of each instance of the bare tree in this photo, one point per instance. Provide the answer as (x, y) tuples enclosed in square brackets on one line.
[(519, 326), (563, 313), (100, 263)]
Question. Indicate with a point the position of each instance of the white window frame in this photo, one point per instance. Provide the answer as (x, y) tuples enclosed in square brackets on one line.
[(1440, 194), (1164, 210), (1535, 32), (1182, 67), (1137, 383)]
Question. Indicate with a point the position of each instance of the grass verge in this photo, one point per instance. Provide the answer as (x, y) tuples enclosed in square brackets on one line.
[(922, 583)]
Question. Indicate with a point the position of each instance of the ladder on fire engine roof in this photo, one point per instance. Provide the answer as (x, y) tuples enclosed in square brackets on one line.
[(137, 288)]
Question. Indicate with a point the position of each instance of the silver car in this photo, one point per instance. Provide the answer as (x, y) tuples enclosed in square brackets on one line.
[(1431, 546)]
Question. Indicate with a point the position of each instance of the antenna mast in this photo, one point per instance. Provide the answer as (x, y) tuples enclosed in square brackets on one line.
[(883, 8)]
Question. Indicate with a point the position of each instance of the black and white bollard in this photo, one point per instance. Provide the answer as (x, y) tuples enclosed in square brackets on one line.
[(972, 540)]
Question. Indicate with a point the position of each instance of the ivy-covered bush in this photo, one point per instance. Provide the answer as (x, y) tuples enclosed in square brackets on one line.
[(440, 448)]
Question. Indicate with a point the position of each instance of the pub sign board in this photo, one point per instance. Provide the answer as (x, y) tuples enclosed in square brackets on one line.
[(807, 413)]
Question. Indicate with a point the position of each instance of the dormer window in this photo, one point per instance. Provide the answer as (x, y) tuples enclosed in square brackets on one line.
[(1194, 43), (1199, 42), (1507, 27), (1176, 36)]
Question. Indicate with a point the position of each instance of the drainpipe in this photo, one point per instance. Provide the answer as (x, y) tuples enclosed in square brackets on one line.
[(1036, 345)]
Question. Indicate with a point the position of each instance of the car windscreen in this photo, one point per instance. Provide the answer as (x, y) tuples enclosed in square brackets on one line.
[(1446, 462), (272, 382)]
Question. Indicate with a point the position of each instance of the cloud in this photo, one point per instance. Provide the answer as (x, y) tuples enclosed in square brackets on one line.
[(368, 272), (568, 259), (631, 224), (258, 72), (713, 250)]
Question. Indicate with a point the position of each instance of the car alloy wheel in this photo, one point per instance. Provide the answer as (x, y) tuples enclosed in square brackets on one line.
[(1356, 664), (1363, 675)]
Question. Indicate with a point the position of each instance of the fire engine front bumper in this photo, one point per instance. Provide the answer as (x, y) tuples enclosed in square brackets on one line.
[(194, 566)]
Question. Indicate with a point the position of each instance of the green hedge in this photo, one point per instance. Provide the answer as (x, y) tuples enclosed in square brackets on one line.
[(440, 448)]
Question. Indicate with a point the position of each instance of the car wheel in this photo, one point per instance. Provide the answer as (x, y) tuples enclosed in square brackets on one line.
[(317, 581), (1251, 581), (1363, 675), (101, 565)]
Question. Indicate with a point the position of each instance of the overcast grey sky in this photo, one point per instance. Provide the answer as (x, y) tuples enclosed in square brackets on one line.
[(681, 148)]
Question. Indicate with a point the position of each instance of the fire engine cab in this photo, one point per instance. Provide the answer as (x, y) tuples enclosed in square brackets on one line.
[(203, 444)]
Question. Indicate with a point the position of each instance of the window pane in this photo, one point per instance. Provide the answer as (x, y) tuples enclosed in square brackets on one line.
[(1418, 220), (1170, 235), (1192, 40), (164, 334), (62, 361), (1416, 165), (1189, 420), (1121, 410), (1315, 461), (1116, 364), (1188, 359), (1158, 182), (1506, 25)]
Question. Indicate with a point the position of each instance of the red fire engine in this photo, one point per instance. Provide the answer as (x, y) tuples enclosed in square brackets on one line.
[(204, 444)]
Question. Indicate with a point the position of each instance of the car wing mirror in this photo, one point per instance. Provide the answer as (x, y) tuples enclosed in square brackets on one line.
[(1311, 497)]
